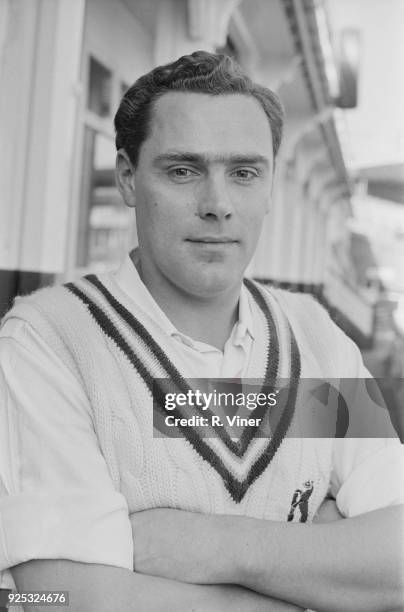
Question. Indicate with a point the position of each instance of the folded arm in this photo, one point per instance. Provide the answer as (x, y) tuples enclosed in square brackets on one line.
[(101, 588), (57, 499), (351, 565)]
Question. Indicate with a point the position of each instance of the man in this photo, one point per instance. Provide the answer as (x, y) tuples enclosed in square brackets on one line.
[(81, 471)]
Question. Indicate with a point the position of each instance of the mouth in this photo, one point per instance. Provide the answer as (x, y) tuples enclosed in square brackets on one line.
[(212, 240)]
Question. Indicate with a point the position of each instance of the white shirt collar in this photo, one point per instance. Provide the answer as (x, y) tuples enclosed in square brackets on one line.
[(130, 282)]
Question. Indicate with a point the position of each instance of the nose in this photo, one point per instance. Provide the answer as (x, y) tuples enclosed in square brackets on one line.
[(214, 200)]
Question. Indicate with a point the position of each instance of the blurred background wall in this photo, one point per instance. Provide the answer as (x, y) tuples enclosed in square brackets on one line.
[(336, 228)]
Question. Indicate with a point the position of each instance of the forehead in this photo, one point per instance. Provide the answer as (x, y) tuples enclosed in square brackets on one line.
[(198, 122)]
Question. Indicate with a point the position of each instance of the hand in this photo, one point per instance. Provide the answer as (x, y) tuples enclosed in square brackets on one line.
[(179, 545)]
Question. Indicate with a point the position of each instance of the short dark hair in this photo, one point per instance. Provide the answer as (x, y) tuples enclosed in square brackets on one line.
[(200, 72)]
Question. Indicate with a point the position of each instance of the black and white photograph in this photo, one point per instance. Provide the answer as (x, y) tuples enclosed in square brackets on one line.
[(202, 305)]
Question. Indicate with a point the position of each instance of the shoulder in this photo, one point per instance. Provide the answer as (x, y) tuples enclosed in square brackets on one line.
[(43, 302), (50, 313), (308, 318), (318, 335), (38, 299), (301, 307), (52, 322)]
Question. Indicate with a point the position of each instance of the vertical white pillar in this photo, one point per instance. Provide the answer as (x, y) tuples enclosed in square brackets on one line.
[(293, 238), (18, 34), (274, 227), (272, 255), (317, 235), (323, 238), (50, 144)]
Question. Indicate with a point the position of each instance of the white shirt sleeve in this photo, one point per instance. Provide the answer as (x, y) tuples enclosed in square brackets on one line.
[(57, 499), (367, 472)]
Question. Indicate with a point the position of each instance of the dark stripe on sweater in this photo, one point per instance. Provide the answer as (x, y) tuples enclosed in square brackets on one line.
[(144, 335), (240, 446), (234, 487), (272, 363), (237, 489)]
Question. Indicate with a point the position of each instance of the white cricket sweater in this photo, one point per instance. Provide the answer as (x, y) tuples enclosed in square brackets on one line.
[(100, 337)]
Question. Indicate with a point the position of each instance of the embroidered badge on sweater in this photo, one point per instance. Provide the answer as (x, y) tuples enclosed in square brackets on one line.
[(300, 502), (223, 454)]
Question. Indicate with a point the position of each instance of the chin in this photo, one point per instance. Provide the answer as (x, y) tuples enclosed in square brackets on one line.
[(209, 285)]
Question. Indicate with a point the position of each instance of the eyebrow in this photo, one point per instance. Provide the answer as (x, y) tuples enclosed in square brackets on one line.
[(202, 158)]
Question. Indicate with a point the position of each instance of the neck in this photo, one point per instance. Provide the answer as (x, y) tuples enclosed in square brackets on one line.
[(208, 320)]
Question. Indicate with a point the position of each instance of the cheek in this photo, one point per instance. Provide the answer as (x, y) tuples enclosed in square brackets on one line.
[(252, 220), (252, 204), (163, 222)]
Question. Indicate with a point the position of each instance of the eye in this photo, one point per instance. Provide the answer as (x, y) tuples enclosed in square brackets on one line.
[(181, 173), (245, 174)]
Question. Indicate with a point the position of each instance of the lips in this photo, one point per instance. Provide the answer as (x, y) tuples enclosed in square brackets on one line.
[(212, 240)]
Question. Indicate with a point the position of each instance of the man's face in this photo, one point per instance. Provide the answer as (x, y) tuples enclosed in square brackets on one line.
[(202, 186)]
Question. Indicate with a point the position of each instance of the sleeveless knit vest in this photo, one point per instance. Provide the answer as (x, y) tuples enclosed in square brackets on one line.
[(116, 352)]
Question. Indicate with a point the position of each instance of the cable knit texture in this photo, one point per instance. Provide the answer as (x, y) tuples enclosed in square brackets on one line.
[(115, 350)]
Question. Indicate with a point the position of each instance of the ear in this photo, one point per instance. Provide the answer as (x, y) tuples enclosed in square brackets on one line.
[(125, 177)]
